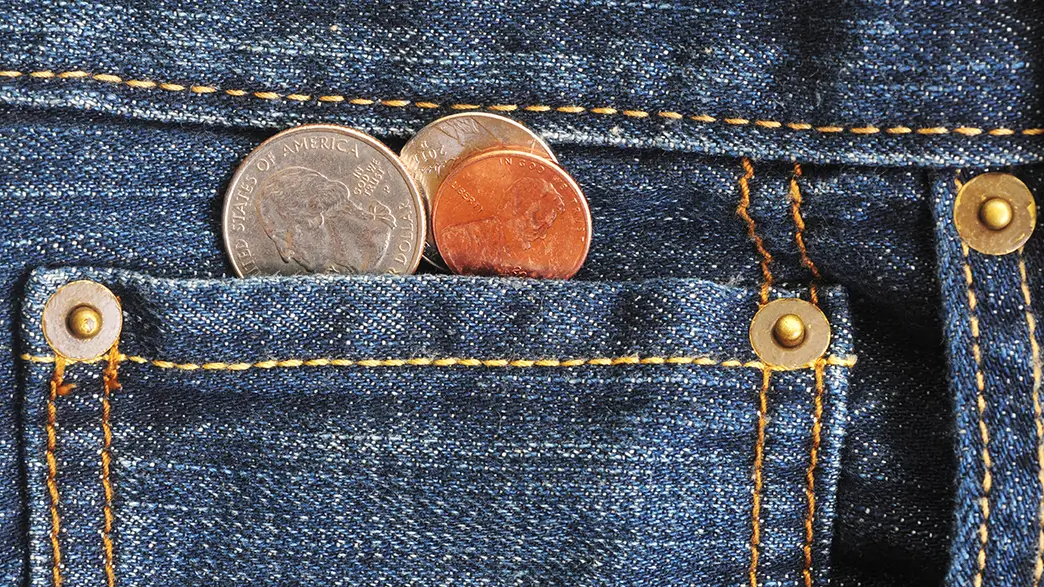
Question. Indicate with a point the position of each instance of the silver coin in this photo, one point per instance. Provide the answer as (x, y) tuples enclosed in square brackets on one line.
[(438, 147), (323, 199)]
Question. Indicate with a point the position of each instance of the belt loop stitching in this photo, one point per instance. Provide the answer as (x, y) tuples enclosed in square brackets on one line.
[(980, 400), (1038, 418)]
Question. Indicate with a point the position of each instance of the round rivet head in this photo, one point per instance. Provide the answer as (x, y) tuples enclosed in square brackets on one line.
[(995, 213), (789, 333), (82, 320)]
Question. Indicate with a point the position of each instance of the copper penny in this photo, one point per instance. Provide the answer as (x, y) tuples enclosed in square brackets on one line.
[(438, 147), (511, 213)]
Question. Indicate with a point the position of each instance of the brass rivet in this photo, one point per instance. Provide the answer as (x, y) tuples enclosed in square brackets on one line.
[(789, 333), (84, 321), (789, 330), (996, 213)]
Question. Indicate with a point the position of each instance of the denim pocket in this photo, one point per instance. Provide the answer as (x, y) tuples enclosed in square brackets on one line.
[(369, 430)]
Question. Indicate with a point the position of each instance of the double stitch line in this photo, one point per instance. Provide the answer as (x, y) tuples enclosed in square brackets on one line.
[(207, 89), (58, 388)]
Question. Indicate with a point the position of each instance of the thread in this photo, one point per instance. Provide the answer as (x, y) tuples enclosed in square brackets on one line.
[(1038, 417), (701, 361), (205, 89), (111, 383), (759, 457), (743, 211), (810, 474), (799, 234), (57, 388)]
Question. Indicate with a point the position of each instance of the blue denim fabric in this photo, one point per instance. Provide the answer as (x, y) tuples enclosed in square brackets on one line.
[(991, 334), (113, 173), (360, 474), (927, 64)]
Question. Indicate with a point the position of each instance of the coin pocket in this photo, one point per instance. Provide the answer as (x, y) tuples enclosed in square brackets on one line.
[(434, 429)]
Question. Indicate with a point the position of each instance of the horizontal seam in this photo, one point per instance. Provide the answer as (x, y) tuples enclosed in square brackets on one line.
[(846, 361), (203, 89)]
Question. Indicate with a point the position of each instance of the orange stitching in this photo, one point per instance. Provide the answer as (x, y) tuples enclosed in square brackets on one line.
[(1038, 416), (984, 433), (742, 211), (202, 89), (799, 235), (839, 361), (111, 383), (759, 457), (817, 418), (58, 388), (810, 474), (980, 400)]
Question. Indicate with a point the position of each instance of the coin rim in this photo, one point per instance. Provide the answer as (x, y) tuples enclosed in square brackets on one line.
[(554, 165), (415, 191), (435, 257)]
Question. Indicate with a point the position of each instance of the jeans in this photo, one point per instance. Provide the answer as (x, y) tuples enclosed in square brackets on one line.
[(614, 429)]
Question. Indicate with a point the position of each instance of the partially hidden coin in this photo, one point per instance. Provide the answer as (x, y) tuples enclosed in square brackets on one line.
[(511, 213), (441, 145), (323, 199)]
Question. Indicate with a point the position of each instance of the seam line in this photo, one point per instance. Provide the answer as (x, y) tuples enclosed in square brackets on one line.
[(267, 95), (980, 401), (57, 388), (810, 473), (110, 378), (817, 415), (743, 210), (759, 457), (833, 360), (1038, 414), (799, 234)]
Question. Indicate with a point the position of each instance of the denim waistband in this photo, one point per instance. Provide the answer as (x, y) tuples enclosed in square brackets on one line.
[(934, 83)]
